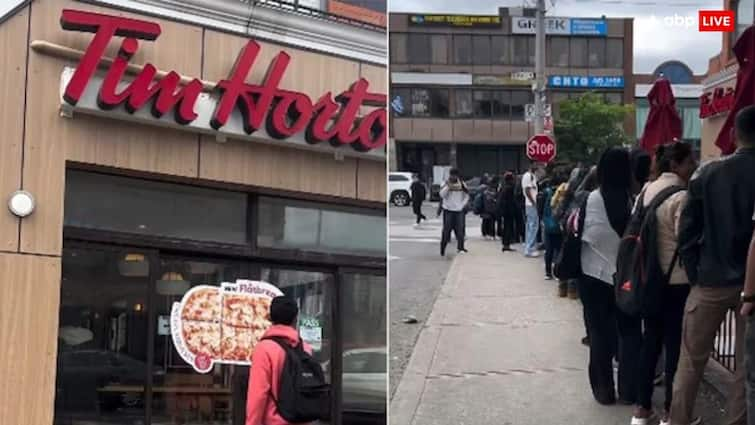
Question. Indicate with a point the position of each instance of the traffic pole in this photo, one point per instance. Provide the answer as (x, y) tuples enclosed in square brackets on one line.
[(539, 90)]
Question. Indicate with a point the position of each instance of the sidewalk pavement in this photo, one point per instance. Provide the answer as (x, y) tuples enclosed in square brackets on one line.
[(500, 348)]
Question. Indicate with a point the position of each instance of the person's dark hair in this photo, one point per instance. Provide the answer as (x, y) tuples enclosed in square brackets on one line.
[(665, 154), (533, 165), (745, 125), (590, 180), (453, 172), (494, 181), (284, 311), (508, 177), (641, 165), (484, 180), (615, 182), (453, 179)]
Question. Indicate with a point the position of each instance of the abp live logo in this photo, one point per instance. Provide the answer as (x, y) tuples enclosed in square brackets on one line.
[(716, 20)]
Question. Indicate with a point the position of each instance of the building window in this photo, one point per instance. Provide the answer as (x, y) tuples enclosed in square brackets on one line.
[(481, 49), (597, 52), (420, 51), (462, 49), (501, 105), (521, 50), (500, 50), (439, 44), (519, 99), (483, 103), (127, 205), (439, 103), (398, 48), (615, 53), (558, 52), (578, 52), (288, 224), (616, 98), (463, 106), (365, 356)]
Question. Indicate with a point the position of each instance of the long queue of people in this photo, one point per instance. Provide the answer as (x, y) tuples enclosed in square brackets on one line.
[(667, 296)]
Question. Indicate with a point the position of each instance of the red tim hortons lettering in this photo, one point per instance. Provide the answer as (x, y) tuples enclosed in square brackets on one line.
[(104, 27), (166, 92)]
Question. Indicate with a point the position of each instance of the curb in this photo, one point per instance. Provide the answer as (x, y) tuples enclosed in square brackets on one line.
[(411, 388)]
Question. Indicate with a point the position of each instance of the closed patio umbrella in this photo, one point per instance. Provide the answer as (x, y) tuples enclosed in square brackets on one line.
[(744, 95), (663, 124)]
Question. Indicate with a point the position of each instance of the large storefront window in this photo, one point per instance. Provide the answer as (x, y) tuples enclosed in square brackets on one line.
[(365, 360), (420, 49), (117, 360)]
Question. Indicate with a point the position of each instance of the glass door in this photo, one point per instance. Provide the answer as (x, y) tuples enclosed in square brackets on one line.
[(181, 394)]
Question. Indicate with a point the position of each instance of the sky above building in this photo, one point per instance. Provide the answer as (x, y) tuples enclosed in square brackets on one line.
[(658, 36)]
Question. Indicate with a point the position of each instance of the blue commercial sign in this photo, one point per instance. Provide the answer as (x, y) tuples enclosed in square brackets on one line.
[(588, 26), (583, 81)]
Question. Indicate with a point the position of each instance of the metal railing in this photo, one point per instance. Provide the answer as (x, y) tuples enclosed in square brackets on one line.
[(724, 346), (293, 6)]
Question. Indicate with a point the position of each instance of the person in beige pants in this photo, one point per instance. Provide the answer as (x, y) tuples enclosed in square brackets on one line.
[(714, 235)]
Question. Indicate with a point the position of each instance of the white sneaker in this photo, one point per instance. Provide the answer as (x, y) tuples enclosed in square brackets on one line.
[(639, 421), (416, 225)]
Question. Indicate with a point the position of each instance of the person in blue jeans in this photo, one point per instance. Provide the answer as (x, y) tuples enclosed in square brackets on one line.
[(529, 189)]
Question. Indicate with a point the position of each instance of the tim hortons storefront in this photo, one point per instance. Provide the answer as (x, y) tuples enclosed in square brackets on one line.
[(165, 157)]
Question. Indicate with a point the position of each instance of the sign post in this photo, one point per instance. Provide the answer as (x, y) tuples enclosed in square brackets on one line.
[(541, 148)]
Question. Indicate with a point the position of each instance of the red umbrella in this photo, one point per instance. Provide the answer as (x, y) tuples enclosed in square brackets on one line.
[(744, 91), (663, 124)]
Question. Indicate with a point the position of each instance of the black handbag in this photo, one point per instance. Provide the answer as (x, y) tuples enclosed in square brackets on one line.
[(568, 263)]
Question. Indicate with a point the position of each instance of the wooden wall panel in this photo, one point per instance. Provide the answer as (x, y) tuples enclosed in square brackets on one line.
[(256, 164), (13, 34), (29, 305), (178, 48), (308, 72), (372, 181), (50, 139)]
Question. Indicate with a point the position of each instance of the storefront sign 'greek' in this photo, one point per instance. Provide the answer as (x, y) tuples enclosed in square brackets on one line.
[(221, 324), (263, 108)]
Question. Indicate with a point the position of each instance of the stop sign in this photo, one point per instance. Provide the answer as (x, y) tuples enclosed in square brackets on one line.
[(541, 148)]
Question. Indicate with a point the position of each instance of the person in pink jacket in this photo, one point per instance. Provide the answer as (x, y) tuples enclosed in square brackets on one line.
[(267, 364)]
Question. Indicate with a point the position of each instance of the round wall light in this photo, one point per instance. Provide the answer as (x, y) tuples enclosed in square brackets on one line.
[(21, 203)]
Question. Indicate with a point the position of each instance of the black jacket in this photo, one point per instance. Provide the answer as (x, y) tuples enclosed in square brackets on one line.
[(716, 223), (506, 203), (419, 193)]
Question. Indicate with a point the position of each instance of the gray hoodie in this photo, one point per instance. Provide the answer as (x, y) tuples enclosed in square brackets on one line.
[(454, 196)]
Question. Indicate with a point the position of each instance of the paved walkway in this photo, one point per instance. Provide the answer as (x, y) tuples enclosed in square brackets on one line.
[(499, 348)]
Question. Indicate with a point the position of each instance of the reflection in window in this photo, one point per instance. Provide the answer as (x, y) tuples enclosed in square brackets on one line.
[(578, 52), (500, 50), (615, 53), (313, 293), (419, 51), (364, 327), (558, 51), (462, 49), (482, 103), (597, 52), (481, 49), (102, 338), (501, 104), (463, 103), (309, 226), (401, 96)]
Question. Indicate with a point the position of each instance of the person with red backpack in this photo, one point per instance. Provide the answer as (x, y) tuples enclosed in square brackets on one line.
[(664, 197), (286, 385)]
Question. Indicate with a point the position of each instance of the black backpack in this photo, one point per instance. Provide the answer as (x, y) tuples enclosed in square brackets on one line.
[(304, 394), (568, 263), (639, 278), (490, 202)]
